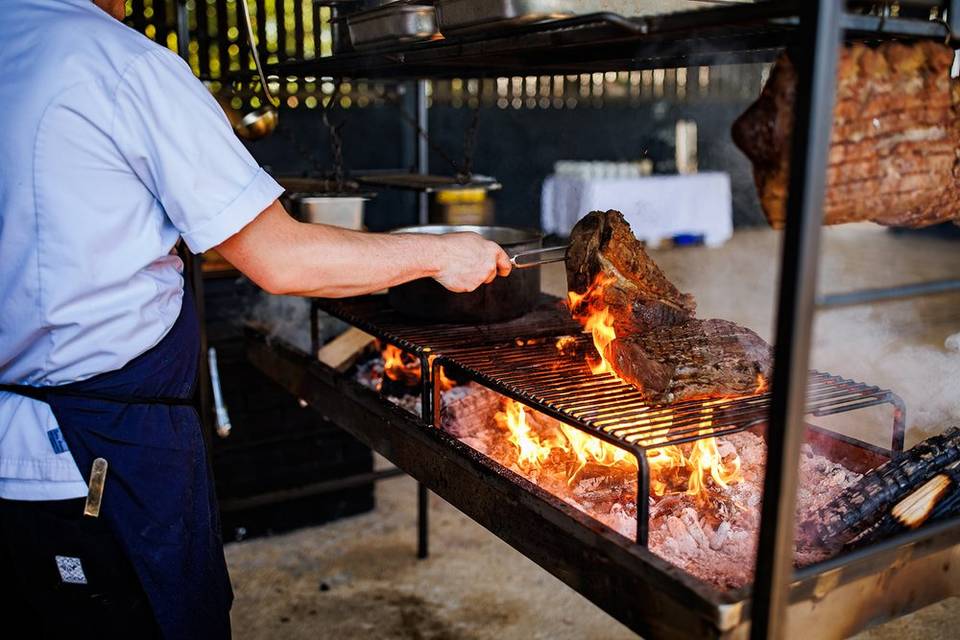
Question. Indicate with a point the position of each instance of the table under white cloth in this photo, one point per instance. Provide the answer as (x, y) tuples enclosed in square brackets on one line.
[(657, 207)]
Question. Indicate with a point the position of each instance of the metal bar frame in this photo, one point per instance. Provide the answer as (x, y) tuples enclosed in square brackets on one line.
[(820, 38), (648, 594)]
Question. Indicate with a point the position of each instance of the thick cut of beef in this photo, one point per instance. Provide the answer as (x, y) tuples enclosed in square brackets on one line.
[(696, 359), (658, 346), (608, 265), (895, 140)]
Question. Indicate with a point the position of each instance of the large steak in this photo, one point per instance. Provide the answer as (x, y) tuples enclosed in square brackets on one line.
[(696, 359), (895, 140), (606, 260), (658, 346)]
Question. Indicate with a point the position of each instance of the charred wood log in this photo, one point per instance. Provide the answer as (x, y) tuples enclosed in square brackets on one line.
[(863, 505), (936, 499)]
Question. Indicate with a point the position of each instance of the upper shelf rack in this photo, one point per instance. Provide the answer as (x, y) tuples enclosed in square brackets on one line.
[(607, 42)]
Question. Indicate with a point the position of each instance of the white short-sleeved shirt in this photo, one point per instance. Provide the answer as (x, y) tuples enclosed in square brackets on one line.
[(110, 151)]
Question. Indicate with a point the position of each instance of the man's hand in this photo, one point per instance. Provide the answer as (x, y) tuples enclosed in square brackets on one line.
[(466, 261)]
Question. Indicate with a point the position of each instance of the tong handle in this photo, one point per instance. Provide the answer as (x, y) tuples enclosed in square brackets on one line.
[(540, 257)]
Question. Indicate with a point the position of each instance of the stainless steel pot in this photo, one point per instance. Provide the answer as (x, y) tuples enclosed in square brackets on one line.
[(503, 299), (339, 211)]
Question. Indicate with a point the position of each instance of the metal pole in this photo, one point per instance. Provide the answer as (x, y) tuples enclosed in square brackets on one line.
[(423, 521), (423, 151), (193, 267), (423, 167), (816, 59)]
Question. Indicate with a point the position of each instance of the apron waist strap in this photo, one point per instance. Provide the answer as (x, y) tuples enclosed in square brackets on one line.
[(44, 393)]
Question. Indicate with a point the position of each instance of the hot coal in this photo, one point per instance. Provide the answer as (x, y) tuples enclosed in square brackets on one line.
[(861, 506), (712, 535)]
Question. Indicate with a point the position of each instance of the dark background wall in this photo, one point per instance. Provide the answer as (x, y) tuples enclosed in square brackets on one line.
[(517, 146)]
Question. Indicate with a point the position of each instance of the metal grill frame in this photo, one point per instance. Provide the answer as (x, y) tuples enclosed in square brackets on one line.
[(507, 358), (863, 396)]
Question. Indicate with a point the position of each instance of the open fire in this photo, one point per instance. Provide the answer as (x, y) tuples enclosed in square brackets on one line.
[(690, 469), (404, 368)]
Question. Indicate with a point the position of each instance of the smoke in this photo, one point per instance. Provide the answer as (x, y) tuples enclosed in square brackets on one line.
[(895, 346), (907, 346), (287, 318)]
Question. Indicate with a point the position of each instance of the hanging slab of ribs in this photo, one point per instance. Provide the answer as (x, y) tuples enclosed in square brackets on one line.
[(895, 140), (899, 489), (660, 347)]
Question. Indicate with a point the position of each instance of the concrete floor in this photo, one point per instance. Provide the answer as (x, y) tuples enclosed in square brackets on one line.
[(359, 579)]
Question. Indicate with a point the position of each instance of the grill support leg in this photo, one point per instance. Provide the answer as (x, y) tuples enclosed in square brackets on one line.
[(429, 412), (813, 119), (423, 521)]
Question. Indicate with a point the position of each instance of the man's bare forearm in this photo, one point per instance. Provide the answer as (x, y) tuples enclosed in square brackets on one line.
[(284, 256)]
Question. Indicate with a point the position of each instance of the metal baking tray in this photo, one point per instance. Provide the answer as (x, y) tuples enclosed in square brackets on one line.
[(396, 22), (456, 16)]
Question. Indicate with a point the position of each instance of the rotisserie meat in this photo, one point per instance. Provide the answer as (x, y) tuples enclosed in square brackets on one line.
[(696, 359), (603, 249), (896, 136), (645, 329)]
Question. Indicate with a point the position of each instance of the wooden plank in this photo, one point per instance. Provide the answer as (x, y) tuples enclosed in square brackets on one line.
[(341, 352)]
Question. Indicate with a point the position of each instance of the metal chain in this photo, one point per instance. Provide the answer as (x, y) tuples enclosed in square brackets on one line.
[(336, 146), (423, 134), (469, 146), (305, 152)]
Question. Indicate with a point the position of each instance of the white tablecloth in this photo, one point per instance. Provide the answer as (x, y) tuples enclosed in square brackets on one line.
[(657, 207)]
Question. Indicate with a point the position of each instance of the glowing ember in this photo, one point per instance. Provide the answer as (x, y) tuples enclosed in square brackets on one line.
[(404, 368), (762, 385), (566, 344)]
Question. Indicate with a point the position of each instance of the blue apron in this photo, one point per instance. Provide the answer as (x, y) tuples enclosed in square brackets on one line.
[(158, 497)]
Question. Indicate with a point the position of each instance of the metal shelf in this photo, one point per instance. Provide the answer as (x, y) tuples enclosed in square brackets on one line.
[(606, 42)]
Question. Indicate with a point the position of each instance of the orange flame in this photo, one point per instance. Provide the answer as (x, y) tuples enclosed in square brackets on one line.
[(590, 311), (673, 468), (403, 367)]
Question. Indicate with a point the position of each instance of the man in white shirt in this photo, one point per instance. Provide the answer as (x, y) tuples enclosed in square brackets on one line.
[(112, 152)]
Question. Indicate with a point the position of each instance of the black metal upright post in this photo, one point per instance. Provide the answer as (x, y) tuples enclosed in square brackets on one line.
[(815, 59), (193, 266), (423, 167)]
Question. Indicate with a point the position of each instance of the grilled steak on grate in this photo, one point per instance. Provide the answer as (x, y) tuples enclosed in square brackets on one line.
[(660, 348), (696, 359), (895, 152)]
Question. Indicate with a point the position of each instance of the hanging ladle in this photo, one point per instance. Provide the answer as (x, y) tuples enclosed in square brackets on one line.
[(262, 121)]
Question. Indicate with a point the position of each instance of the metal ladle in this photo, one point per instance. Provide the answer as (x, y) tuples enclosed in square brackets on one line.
[(262, 121)]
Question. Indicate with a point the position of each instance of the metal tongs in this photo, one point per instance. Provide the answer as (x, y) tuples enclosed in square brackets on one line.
[(539, 257)]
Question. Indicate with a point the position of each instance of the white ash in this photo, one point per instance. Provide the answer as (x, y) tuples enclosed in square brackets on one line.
[(952, 343), (714, 542)]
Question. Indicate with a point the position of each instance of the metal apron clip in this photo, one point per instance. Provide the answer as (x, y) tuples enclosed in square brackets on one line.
[(98, 477)]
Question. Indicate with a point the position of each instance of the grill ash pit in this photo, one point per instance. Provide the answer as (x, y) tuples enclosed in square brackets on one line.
[(711, 533)]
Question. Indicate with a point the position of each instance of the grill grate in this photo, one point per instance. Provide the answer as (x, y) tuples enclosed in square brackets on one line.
[(562, 385), (522, 360)]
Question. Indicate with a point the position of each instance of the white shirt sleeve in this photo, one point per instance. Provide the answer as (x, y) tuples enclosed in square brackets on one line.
[(177, 139)]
